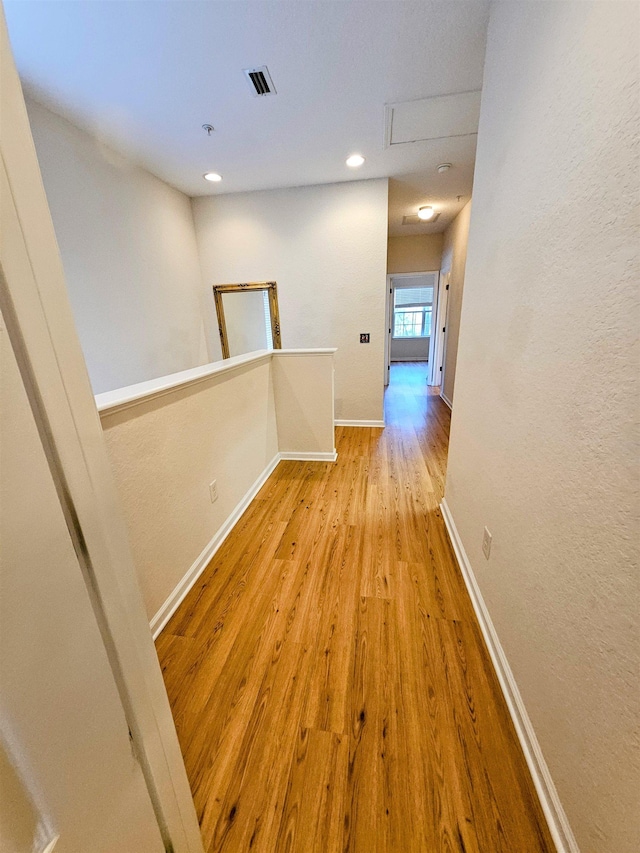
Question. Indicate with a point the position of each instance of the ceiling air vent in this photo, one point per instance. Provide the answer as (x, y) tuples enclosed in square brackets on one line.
[(414, 219), (260, 81)]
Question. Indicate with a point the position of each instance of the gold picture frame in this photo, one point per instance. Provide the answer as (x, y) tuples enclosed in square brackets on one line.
[(270, 286)]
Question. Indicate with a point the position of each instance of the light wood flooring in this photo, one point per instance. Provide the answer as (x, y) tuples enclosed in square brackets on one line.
[(328, 679)]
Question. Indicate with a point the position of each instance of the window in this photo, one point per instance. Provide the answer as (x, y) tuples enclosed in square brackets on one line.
[(267, 318), (412, 308)]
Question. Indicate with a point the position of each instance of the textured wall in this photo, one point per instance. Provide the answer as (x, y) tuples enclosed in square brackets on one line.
[(303, 386), (454, 259), (130, 258), (416, 253), (326, 247), (542, 447), (59, 706), (167, 450)]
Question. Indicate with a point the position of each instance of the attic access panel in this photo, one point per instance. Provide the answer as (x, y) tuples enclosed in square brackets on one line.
[(432, 118)]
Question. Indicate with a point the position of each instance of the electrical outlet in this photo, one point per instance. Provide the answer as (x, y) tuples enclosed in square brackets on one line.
[(213, 490), (486, 542)]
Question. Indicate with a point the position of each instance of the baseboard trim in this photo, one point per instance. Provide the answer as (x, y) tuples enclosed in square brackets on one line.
[(360, 423), (178, 595), (549, 800), (309, 456), (446, 400)]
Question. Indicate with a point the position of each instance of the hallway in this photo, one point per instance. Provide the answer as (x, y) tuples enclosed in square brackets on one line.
[(328, 681)]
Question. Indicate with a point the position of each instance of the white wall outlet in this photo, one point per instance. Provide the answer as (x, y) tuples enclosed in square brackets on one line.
[(213, 490), (486, 542)]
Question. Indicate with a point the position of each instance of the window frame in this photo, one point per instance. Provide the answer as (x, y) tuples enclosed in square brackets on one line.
[(419, 306)]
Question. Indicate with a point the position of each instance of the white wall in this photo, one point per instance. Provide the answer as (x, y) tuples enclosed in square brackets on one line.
[(410, 349), (22, 828), (454, 259), (167, 450), (542, 448), (304, 396), (326, 247), (60, 712), (414, 253), (129, 253)]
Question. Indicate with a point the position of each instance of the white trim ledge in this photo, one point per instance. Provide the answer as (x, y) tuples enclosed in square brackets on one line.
[(110, 402), (549, 800), (122, 398), (322, 351), (359, 423), (309, 456), (446, 400)]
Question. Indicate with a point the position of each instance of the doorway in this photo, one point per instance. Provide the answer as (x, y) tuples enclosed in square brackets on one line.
[(412, 317)]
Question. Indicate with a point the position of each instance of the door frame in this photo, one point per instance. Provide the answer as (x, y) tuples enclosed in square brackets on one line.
[(389, 318), (41, 330), (436, 374)]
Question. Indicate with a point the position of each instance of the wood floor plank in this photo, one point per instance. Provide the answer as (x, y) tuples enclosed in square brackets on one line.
[(436, 807), (327, 675), (313, 807), (239, 818), (333, 630), (218, 699), (379, 550), (364, 817)]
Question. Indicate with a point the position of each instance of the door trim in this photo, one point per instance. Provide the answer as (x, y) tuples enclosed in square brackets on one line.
[(389, 318), (41, 330), (436, 376)]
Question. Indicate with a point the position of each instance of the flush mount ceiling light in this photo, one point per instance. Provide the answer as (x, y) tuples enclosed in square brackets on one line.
[(444, 167), (214, 177), (355, 160), (425, 213)]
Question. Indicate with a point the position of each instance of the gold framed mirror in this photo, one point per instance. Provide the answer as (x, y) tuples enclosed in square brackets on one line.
[(250, 323)]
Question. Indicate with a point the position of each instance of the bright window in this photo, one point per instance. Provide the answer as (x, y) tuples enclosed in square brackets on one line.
[(412, 309), (267, 318)]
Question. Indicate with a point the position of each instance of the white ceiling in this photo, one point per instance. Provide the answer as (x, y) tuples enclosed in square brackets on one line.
[(145, 76)]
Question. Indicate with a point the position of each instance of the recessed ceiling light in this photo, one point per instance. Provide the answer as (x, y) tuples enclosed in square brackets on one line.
[(444, 167), (355, 160), (426, 212), (214, 177)]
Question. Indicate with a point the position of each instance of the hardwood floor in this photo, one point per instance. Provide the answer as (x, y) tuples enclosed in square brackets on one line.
[(329, 683)]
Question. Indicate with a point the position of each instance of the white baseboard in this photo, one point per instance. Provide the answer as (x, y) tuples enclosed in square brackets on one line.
[(309, 456), (178, 595), (444, 397), (549, 800), (176, 598), (360, 423)]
